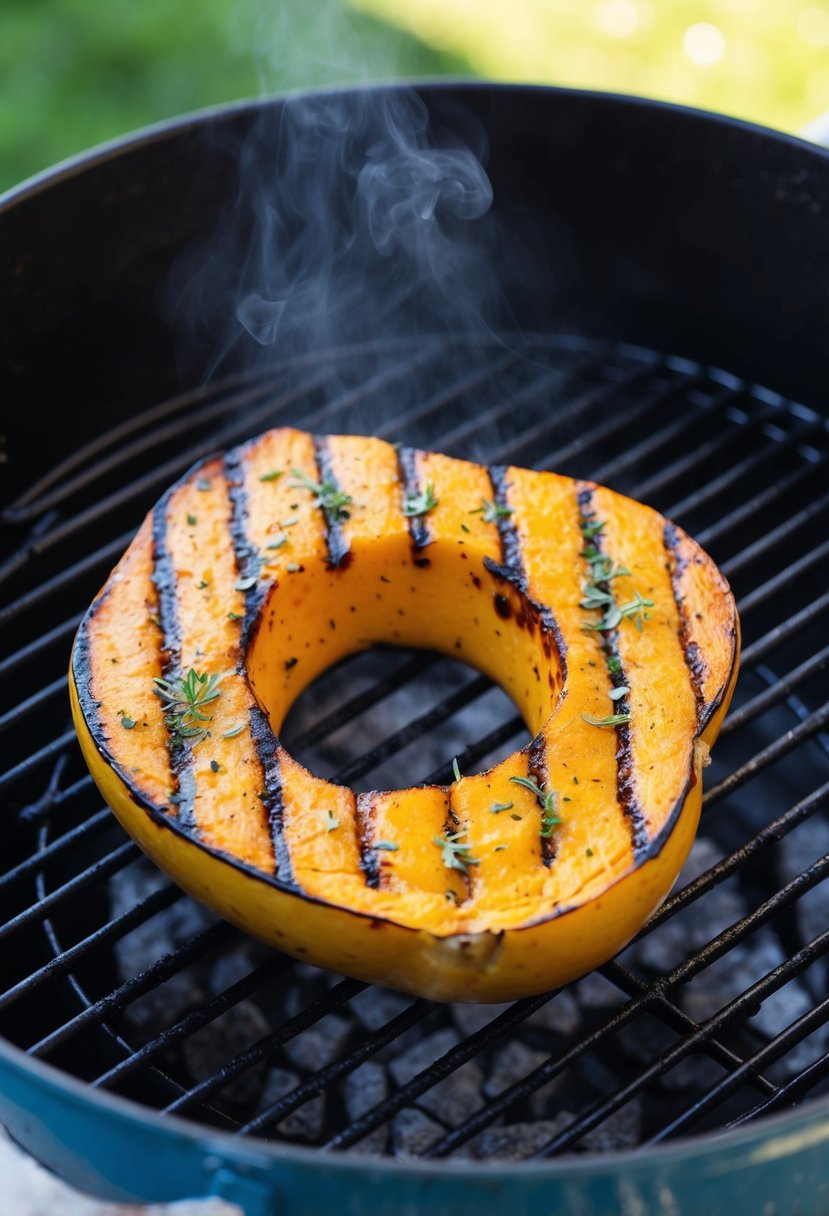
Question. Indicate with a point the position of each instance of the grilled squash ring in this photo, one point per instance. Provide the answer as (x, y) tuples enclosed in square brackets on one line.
[(613, 632)]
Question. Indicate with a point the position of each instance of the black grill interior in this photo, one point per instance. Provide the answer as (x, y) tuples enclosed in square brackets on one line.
[(715, 1015)]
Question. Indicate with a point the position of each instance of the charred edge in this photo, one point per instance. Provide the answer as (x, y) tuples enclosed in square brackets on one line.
[(625, 771), (694, 660), (82, 674), (407, 462), (531, 613), (247, 559), (369, 858), (537, 766), (339, 550), (511, 554), (164, 579), (272, 794)]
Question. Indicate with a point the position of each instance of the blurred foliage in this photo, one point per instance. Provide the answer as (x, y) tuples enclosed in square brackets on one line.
[(765, 60), (77, 72)]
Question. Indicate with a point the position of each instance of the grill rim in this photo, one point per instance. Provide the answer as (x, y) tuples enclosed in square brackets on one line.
[(193, 120)]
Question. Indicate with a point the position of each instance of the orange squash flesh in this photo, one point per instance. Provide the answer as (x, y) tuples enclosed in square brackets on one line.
[(242, 572)]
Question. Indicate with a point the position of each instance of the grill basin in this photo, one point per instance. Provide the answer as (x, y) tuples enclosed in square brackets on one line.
[(713, 1018)]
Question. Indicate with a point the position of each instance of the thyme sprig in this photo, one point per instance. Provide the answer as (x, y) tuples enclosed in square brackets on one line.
[(492, 511), (184, 700), (329, 497), (420, 504), (610, 720), (456, 854), (547, 800)]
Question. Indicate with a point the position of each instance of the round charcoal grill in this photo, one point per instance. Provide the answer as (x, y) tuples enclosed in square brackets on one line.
[(263, 1079)]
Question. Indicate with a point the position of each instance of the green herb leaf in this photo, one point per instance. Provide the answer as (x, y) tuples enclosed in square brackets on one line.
[(192, 520), (331, 821), (616, 694), (547, 800), (422, 503), (127, 722), (203, 484), (272, 475), (329, 497), (233, 731), (184, 700), (245, 584), (387, 846), (610, 720), (456, 772), (235, 616), (455, 854), (497, 807), (492, 511)]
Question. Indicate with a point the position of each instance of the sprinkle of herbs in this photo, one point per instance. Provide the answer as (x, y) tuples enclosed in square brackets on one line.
[(422, 503), (184, 700)]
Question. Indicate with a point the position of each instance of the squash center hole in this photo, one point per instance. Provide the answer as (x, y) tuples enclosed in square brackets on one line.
[(389, 718)]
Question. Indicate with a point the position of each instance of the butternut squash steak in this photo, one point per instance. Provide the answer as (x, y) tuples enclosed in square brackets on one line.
[(610, 628)]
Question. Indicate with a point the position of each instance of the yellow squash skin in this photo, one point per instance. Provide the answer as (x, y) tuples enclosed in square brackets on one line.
[(240, 571)]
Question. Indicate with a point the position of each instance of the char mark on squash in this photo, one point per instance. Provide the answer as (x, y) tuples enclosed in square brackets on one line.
[(369, 855), (248, 561), (529, 612), (339, 550), (694, 660), (511, 555), (419, 531), (166, 585), (271, 793), (626, 792), (537, 767)]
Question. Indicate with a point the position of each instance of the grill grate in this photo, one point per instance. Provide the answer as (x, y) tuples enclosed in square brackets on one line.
[(717, 1014)]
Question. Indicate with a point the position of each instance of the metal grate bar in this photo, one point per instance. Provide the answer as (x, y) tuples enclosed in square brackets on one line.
[(473, 427), (44, 806), (717, 948), (789, 628), (753, 507), (37, 861), (443, 398), (35, 701), (717, 446), (112, 930), (333, 1000), (386, 1034), (436, 1071), (737, 860), (412, 731), (778, 691), (651, 444), (783, 532), (151, 977), (191, 397), (671, 1014), (31, 763), (803, 1026), (219, 1004), (779, 582), (743, 1005), (750, 464), (477, 750), (610, 426), (789, 1094), (769, 755), (372, 696), (34, 649), (573, 410), (86, 566), (110, 864)]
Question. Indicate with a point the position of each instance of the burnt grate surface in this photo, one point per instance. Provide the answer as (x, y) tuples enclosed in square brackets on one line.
[(718, 1013)]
